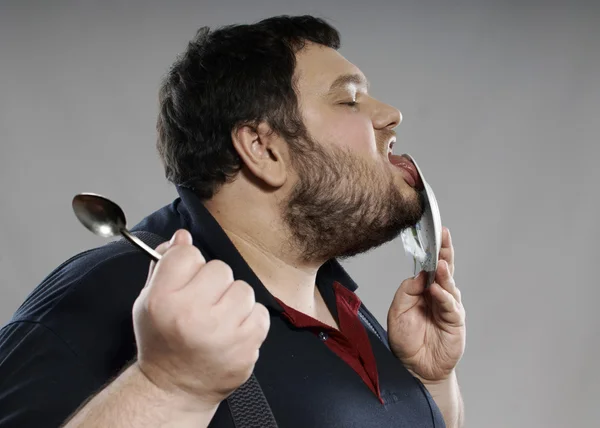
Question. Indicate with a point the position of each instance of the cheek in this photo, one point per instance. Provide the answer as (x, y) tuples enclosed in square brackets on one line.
[(355, 133), (341, 128)]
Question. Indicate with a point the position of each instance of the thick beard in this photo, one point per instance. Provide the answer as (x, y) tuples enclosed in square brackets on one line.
[(344, 205)]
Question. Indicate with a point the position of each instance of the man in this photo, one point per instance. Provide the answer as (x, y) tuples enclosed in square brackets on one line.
[(283, 164)]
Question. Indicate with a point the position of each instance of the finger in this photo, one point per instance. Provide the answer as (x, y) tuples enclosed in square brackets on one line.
[(180, 237), (408, 294), (177, 267), (446, 281), (414, 286), (447, 251), (448, 308), (446, 238), (445, 254), (237, 302), (210, 283), (256, 326)]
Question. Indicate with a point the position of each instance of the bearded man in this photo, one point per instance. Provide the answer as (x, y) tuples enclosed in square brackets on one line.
[(283, 163)]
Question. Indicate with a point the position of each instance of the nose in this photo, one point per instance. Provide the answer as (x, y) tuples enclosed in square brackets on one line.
[(386, 117)]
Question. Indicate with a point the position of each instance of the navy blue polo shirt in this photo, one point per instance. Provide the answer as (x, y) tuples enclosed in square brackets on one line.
[(74, 334)]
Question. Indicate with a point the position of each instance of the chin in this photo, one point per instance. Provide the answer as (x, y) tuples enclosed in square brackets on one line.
[(413, 199), (410, 192), (406, 189)]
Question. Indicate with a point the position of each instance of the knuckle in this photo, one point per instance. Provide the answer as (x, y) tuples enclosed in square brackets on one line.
[(140, 304), (263, 312), (245, 290), (183, 254), (248, 360), (447, 269), (153, 304), (242, 291), (221, 269), (193, 254), (263, 317), (246, 371), (406, 283)]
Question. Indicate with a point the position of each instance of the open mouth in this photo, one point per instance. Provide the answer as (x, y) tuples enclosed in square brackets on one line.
[(408, 169)]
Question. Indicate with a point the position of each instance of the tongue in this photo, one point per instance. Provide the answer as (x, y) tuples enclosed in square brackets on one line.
[(407, 165)]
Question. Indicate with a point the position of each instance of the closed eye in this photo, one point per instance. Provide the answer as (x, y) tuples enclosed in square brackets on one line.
[(351, 103)]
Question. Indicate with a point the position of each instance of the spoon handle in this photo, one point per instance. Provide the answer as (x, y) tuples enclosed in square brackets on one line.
[(140, 244)]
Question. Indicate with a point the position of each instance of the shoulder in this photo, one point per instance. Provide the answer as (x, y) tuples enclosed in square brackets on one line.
[(72, 334), (87, 303), (114, 270)]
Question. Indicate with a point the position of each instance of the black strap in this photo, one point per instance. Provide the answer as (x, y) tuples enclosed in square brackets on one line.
[(249, 407), (248, 404)]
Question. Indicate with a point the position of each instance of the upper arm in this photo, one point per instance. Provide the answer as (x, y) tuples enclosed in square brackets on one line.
[(41, 380), (70, 336)]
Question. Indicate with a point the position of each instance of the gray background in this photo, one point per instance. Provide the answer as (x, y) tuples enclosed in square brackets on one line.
[(500, 100)]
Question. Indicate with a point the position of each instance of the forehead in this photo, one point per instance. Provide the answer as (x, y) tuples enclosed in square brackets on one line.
[(318, 67)]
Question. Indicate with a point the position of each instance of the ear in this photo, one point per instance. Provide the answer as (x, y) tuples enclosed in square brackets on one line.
[(262, 151)]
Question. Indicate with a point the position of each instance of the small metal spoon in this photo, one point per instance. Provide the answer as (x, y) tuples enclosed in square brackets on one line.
[(105, 218)]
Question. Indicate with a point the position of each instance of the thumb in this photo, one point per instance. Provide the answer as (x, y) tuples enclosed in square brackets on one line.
[(414, 286), (408, 294), (180, 237)]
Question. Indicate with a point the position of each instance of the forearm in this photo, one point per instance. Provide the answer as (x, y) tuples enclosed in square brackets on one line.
[(133, 401), (447, 396)]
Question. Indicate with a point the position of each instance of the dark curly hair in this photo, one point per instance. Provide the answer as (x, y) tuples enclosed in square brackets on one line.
[(234, 75)]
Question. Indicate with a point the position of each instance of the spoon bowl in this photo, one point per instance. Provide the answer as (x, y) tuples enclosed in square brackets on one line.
[(105, 218), (424, 240), (99, 215)]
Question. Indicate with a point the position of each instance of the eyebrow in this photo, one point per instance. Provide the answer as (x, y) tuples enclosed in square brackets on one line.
[(346, 79)]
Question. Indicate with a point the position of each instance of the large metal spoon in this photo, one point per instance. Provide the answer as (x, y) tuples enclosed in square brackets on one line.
[(105, 218), (424, 240)]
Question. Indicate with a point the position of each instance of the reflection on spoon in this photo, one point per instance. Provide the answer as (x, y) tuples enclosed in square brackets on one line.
[(105, 218)]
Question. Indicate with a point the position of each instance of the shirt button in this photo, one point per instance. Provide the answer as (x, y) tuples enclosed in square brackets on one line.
[(323, 336)]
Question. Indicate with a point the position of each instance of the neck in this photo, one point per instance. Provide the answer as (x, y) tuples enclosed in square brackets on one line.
[(260, 236)]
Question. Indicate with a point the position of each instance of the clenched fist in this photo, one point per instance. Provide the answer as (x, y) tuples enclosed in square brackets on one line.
[(197, 330)]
